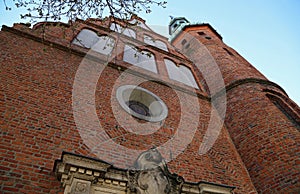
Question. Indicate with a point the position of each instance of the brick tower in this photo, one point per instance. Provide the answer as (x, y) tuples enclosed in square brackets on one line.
[(260, 118), (110, 106)]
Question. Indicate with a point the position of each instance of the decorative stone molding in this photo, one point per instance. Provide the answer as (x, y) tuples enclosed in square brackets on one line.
[(82, 175), (149, 175)]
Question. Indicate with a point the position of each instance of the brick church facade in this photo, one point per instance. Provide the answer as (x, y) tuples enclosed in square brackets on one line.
[(110, 106)]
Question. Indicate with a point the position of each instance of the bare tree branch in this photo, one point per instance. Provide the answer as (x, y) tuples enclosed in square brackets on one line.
[(56, 10)]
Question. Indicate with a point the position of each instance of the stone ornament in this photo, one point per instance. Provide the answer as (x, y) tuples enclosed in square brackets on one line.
[(148, 175), (151, 175)]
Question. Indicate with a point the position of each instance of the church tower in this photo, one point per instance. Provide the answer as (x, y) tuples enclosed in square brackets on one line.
[(262, 121), (110, 106)]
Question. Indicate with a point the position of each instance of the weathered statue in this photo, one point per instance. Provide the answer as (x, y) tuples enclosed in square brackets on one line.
[(152, 178)]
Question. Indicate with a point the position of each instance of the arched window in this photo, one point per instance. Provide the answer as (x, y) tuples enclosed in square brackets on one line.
[(116, 27), (149, 40), (143, 59), (126, 31), (89, 39), (86, 38), (105, 45), (160, 44), (129, 32), (181, 73), (157, 43)]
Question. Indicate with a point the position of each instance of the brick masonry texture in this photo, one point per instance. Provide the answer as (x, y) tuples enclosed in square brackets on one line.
[(257, 149), (266, 137)]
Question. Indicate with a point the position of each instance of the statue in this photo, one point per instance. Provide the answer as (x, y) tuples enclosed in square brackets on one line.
[(151, 176)]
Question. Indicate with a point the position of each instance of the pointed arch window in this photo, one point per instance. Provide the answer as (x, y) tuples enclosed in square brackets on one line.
[(143, 59), (180, 73), (89, 39)]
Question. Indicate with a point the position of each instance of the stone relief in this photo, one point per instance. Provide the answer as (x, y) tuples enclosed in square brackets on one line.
[(150, 175)]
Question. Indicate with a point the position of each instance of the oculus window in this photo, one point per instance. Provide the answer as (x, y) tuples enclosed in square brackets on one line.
[(141, 103)]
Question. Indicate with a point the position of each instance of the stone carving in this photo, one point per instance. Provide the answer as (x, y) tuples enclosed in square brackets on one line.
[(151, 176), (81, 187)]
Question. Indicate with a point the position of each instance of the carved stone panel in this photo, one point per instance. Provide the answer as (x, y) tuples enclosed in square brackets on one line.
[(80, 186)]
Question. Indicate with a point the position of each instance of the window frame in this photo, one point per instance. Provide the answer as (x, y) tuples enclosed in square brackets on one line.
[(140, 62), (188, 80)]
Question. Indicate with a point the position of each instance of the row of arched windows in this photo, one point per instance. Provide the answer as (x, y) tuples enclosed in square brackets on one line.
[(131, 33), (144, 59)]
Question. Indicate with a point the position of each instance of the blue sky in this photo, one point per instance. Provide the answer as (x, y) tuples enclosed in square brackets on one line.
[(265, 32)]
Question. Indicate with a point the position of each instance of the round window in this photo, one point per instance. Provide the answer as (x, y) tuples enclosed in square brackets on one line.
[(141, 103)]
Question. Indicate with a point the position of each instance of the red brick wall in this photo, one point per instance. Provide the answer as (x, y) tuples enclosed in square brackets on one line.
[(266, 138), (37, 121)]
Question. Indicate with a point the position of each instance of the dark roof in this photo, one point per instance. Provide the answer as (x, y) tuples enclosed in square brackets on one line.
[(177, 18)]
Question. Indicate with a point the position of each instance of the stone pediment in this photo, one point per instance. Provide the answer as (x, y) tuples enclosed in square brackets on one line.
[(149, 175)]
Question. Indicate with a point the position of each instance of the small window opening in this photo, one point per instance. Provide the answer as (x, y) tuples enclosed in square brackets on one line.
[(183, 42), (201, 33), (208, 37)]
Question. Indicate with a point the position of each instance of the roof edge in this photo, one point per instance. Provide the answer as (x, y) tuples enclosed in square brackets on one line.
[(197, 25)]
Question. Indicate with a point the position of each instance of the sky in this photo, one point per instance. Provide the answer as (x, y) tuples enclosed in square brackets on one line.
[(264, 32)]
